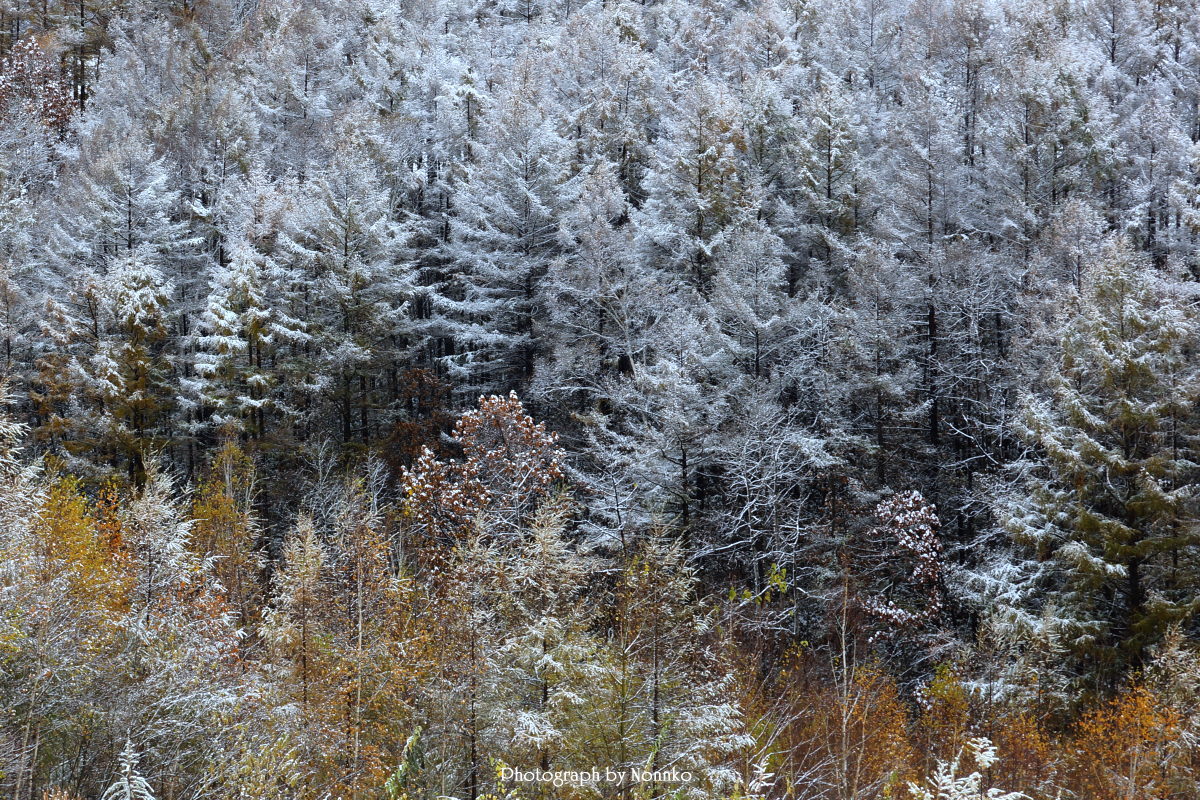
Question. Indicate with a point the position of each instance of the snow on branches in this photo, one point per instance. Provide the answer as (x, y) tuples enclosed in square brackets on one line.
[(907, 538), (32, 84), (510, 465)]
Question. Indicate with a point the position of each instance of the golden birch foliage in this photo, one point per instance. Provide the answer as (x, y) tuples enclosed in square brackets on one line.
[(878, 715), (1123, 748), (945, 716), (108, 521), (82, 546), (225, 528)]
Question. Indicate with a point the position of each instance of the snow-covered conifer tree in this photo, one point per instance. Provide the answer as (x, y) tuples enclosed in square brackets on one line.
[(1100, 511)]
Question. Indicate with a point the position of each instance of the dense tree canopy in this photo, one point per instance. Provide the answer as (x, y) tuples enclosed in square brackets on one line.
[(800, 394)]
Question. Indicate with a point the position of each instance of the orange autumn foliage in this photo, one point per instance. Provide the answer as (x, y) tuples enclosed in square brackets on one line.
[(108, 521), (1122, 749), (850, 735), (1029, 757)]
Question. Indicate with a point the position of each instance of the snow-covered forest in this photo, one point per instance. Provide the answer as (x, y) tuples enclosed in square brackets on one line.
[(802, 395)]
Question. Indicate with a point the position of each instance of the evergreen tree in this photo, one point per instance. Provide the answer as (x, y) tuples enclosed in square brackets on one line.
[(695, 185), (504, 234), (130, 785), (1103, 506)]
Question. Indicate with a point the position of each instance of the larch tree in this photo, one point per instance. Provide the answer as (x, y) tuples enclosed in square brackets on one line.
[(695, 184), (349, 285), (505, 233), (234, 331), (1102, 514), (661, 699)]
